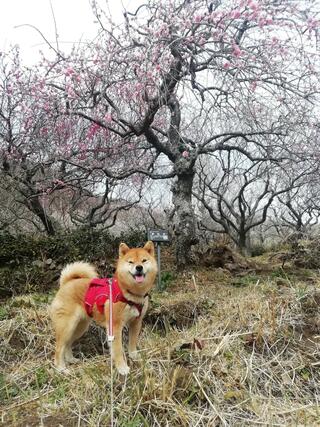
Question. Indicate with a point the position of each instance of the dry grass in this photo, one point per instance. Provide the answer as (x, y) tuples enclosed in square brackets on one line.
[(259, 364)]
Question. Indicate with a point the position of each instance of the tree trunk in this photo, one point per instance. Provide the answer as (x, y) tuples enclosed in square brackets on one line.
[(36, 207), (244, 244), (184, 221)]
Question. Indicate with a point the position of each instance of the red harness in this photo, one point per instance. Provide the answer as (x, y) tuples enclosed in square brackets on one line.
[(98, 293)]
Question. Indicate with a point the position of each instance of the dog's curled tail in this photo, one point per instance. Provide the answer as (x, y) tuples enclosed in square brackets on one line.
[(77, 270)]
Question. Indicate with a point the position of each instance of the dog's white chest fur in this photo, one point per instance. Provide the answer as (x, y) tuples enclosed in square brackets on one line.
[(132, 312)]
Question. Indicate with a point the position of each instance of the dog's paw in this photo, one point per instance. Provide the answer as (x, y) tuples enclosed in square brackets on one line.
[(63, 370), (73, 360), (135, 356), (123, 370)]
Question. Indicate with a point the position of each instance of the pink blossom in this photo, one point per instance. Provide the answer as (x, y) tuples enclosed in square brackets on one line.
[(253, 5), (83, 146), (93, 129), (226, 65), (58, 182), (139, 87), (70, 92), (137, 179), (253, 86), (108, 118), (236, 50), (69, 71), (312, 23), (185, 154), (235, 14)]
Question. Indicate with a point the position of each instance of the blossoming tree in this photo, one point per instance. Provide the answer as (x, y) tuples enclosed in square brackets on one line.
[(179, 80)]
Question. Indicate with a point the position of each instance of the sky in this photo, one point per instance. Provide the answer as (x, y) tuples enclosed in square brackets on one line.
[(74, 21)]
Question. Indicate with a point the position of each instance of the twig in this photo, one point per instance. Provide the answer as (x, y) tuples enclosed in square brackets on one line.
[(289, 411), (8, 408), (209, 401), (195, 283)]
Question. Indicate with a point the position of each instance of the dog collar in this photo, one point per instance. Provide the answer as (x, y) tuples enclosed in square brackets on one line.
[(135, 295)]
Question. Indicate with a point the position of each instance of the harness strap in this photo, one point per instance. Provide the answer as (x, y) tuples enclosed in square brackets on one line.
[(139, 307), (99, 292)]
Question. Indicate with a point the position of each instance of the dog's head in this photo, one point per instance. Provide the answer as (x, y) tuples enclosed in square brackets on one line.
[(137, 267)]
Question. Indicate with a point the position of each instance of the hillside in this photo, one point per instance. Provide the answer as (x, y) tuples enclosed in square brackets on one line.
[(217, 350)]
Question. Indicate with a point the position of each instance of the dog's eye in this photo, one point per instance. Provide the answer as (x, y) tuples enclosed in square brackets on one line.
[(130, 262), (144, 260)]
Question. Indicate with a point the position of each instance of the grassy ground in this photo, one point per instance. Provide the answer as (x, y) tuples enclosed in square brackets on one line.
[(216, 350)]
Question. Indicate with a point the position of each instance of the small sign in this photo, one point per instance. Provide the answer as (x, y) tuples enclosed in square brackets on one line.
[(158, 235)]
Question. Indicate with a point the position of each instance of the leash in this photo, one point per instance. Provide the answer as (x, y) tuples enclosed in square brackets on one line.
[(110, 341)]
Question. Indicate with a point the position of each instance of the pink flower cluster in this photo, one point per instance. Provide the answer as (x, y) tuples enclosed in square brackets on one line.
[(92, 131)]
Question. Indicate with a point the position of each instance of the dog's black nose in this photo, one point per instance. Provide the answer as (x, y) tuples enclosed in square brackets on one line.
[(139, 268)]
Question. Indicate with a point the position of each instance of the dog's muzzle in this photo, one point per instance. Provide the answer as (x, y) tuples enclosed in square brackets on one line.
[(139, 274)]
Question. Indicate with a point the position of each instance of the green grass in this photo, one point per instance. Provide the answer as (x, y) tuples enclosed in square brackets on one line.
[(244, 281), (167, 278)]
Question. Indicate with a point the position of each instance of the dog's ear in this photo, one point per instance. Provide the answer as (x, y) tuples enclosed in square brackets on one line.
[(149, 247), (123, 249)]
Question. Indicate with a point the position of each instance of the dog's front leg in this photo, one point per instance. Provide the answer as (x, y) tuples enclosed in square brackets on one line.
[(117, 348), (134, 331), (135, 326)]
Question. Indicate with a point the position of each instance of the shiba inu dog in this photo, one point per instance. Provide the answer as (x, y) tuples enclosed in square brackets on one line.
[(83, 297)]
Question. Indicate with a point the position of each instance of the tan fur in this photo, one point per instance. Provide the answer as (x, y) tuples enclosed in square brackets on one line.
[(77, 270), (70, 319)]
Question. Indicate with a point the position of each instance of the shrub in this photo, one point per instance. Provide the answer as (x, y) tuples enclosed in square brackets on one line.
[(33, 262), (305, 253), (257, 250)]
